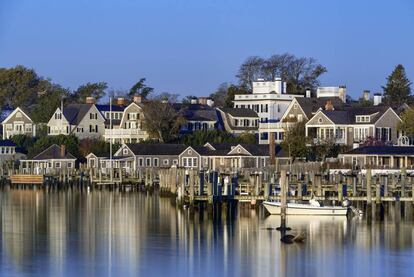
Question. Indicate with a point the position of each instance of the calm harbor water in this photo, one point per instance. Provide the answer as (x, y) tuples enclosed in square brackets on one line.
[(103, 233)]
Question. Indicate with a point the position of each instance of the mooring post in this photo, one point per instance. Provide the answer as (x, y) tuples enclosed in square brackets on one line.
[(283, 201), (368, 181), (403, 179)]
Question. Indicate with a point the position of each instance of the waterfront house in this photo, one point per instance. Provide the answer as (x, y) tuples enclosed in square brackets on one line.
[(10, 152), (301, 109), (268, 99), (53, 160), (82, 120), (128, 128), (134, 156), (379, 157), (229, 156), (354, 125), (198, 117), (18, 122), (237, 120)]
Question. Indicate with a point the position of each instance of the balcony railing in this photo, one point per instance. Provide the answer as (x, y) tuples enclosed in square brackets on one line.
[(322, 141), (124, 132)]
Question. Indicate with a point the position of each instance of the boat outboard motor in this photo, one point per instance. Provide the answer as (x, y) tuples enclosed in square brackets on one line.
[(314, 203), (346, 203)]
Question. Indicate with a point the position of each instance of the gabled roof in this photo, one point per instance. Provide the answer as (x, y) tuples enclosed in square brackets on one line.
[(10, 115), (348, 115), (53, 152), (221, 146), (382, 150), (240, 112), (74, 113), (311, 105), (156, 149), (260, 150)]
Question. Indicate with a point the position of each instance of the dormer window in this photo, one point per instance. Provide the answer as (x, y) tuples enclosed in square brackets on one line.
[(362, 118)]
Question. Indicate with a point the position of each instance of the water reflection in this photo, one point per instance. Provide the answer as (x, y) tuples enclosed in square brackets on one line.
[(110, 233)]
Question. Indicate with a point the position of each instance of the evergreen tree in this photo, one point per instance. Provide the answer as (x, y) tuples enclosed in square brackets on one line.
[(397, 91)]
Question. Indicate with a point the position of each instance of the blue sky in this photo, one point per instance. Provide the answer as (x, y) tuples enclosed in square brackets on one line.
[(190, 47)]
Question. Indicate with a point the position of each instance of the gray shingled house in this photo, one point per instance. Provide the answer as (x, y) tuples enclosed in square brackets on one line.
[(53, 160), (239, 120), (354, 125)]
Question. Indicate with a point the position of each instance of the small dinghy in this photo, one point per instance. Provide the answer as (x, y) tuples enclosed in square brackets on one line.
[(313, 208)]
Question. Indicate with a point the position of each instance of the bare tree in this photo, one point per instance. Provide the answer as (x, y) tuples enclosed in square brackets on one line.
[(250, 70), (299, 73), (161, 120)]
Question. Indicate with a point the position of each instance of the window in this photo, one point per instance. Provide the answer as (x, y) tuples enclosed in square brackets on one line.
[(295, 106), (190, 152), (57, 164), (175, 162), (156, 162), (165, 162), (141, 162), (125, 151), (383, 133), (69, 165), (185, 162), (148, 162), (93, 116), (320, 120), (194, 162), (58, 116), (189, 162)]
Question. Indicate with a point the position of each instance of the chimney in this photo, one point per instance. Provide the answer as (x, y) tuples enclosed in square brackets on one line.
[(365, 95), (342, 93), (329, 106), (377, 99), (120, 101), (90, 100), (210, 102), (279, 85), (62, 151), (137, 98), (308, 93)]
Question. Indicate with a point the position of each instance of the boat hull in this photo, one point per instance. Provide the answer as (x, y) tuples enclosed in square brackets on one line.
[(304, 209)]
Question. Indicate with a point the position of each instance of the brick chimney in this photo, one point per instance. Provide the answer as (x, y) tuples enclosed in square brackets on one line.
[(90, 100), (329, 106), (137, 98), (62, 151)]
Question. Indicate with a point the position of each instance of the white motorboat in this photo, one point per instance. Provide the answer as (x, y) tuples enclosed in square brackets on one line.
[(313, 208)]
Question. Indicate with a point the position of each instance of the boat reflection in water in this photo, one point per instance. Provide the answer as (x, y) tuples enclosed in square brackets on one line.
[(123, 234)]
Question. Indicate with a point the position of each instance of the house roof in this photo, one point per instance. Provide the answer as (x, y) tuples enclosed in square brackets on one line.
[(348, 115), (53, 152), (240, 112), (222, 146), (382, 150), (107, 108), (74, 113), (196, 112), (156, 149), (7, 143), (312, 105), (224, 149), (263, 150)]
